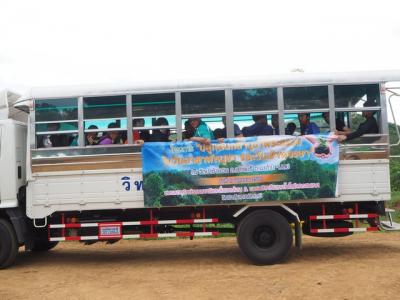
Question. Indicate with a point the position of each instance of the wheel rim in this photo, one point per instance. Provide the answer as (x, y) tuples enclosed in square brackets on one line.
[(264, 237)]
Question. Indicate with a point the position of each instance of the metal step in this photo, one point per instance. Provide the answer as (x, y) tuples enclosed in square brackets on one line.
[(390, 225)]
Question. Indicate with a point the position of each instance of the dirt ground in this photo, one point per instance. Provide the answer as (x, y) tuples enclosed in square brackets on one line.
[(362, 266)]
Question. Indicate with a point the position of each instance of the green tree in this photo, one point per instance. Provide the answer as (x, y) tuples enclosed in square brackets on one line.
[(395, 174), (153, 187), (283, 195), (231, 164), (326, 192), (269, 196), (297, 194)]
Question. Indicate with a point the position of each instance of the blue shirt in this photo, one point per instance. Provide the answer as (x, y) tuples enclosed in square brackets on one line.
[(258, 129), (311, 128), (203, 131)]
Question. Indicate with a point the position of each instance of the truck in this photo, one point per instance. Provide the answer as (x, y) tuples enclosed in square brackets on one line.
[(60, 183)]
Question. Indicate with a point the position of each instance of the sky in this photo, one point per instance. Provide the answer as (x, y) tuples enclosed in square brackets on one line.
[(47, 42)]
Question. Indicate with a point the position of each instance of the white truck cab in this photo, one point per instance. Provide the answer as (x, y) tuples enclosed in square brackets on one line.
[(12, 151)]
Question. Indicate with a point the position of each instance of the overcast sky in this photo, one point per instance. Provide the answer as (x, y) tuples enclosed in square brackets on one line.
[(47, 42)]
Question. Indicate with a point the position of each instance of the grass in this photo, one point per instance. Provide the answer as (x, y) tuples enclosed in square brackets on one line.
[(394, 203)]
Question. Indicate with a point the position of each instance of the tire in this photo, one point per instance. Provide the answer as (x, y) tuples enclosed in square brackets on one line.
[(265, 237), (43, 245), (8, 244)]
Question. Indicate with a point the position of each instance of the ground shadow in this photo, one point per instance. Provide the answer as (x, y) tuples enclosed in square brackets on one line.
[(222, 254)]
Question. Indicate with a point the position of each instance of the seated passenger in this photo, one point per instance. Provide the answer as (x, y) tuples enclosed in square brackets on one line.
[(368, 126), (306, 126), (74, 140), (340, 126), (92, 138), (141, 134), (260, 127), (160, 135), (189, 131), (275, 124), (290, 128), (221, 132), (202, 133), (111, 137), (53, 140)]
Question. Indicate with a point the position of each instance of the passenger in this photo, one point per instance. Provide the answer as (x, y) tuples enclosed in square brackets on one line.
[(202, 133), (189, 131), (92, 137), (260, 127), (111, 137), (275, 124), (221, 132), (53, 140), (74, 140), (290, 128), (368, 126), (160, 135), (140, 134), (340, 126), (306, 126)]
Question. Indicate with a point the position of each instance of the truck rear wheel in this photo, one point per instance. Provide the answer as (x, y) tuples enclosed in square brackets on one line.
[(265, 237), (8, 244)]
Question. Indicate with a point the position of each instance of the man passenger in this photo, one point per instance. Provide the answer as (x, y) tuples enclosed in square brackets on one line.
[(290, 128), (306, 126), (221, 132), (260, 127), (160, 135), (368, 126), (53, 140), (275, 124)]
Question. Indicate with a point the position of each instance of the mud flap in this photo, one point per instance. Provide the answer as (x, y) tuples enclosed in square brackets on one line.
[(298, 234)]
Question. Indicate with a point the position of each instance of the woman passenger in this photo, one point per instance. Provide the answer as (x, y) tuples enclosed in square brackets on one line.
[(92, 137), (202, 133), (111, 137)]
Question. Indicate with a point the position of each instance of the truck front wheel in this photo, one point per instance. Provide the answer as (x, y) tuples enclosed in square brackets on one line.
[(8, 244), (265, 237)]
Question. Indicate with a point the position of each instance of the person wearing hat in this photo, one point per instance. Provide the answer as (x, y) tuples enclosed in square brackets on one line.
[(368, 126), (202, 133)]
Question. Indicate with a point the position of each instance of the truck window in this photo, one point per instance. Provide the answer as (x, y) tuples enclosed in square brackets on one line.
[(311, 97), (56, 122), (203, 102), (105, 120), (154, 117), (355, 96), (205, 110), (255, 100), (251, 106)]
